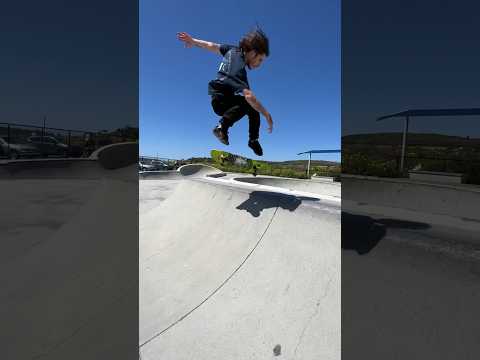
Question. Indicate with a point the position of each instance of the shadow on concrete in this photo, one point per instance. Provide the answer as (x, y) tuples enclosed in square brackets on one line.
[(403, 224), (260, 200), (360, 233)]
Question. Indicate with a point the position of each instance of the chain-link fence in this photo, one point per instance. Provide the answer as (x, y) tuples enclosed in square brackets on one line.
[(29, 141)]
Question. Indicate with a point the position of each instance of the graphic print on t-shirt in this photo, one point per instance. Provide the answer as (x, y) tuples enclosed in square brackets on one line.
[(225, 64), (232, 76)]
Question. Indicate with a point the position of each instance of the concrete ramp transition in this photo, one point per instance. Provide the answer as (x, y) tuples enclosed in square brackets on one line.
[(315, 186), (190, 170), (227, 272), (72, 272), (160, 175), (199, 170)]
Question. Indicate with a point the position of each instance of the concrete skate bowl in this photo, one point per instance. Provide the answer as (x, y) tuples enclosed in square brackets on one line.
[(160, 175), (53, 169), (200, 170), (64, 223), (116, 156), (156, 186), (189, 170), (230, 273), (313, 186), (114, 160)]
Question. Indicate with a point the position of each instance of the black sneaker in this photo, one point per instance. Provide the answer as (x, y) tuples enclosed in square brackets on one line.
[(221, 134), (255, 146)]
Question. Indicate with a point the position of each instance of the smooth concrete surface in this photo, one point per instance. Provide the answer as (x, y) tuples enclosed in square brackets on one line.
[(316, 186), (410, 269), (153, 191), (228, 271), (436, 177), (399, 279), (459, 201), (323, 178), (396, 288), (64, 273), (410, 290), (51, 169)]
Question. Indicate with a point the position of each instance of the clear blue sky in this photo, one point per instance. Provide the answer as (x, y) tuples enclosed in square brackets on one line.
[(299, 83), (400, 55)]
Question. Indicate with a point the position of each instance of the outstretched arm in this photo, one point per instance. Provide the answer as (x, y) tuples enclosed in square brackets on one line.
[(189, 42), (253, 101)]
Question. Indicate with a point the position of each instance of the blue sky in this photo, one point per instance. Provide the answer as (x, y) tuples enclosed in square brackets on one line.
[(299, 83), (400, 55), (74, 64)]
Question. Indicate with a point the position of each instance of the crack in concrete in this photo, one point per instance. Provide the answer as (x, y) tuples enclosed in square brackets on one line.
[(302, 334), (218, 288)]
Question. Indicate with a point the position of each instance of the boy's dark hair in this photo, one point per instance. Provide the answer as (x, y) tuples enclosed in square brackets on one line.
[(255, 40)]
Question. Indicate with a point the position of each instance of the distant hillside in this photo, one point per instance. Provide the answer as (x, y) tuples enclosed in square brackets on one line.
[(291, 163), (413, 139), (303, 162)]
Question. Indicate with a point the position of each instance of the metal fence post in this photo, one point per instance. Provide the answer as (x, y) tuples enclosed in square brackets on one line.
[(308, 167), (404, 143)]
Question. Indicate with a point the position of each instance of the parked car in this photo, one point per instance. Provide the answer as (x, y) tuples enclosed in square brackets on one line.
[(154, 166), (48, 145), (145, 167), (15, 151), (160, 165)]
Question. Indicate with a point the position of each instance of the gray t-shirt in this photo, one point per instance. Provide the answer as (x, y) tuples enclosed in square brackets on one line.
[(232, 76)]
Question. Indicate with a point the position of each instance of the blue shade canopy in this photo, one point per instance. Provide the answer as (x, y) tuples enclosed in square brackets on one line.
[(320, 152), (433, 112)]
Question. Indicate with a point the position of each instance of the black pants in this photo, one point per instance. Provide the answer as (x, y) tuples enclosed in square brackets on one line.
[(232, 109)]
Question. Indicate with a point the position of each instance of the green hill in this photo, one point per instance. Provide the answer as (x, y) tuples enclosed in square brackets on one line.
[(395, 138), (291, 168), (379, 154), (304, 162)]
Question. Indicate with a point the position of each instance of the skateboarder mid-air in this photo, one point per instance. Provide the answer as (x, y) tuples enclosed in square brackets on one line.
[(232, 98)]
